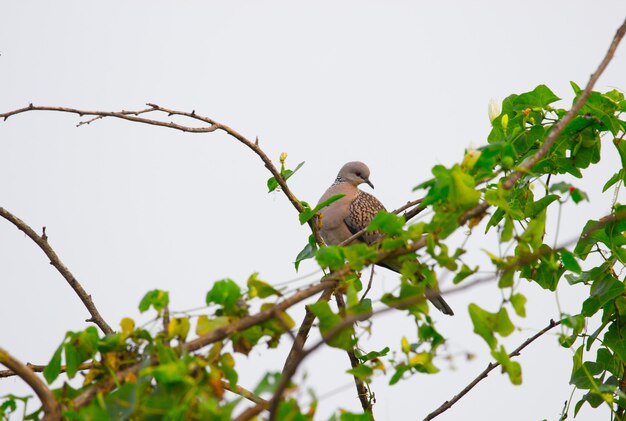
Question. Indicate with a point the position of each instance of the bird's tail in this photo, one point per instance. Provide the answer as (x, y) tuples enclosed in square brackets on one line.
[(432, 294), (438, 301)]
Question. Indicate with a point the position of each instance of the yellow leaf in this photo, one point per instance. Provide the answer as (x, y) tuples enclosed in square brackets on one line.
[(128, 325), (421, 358), (205, 325), (405, 345), (173, 328)]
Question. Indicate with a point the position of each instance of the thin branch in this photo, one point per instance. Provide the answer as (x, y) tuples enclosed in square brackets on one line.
[(215, 335), (361, 390), (556, 131), (448, 404), (303, 333), (51, 407), (407, 215), (42, 242), (296, 359), (211, 126), (238, 390), (251, 412), (249, 321), (40, 368)]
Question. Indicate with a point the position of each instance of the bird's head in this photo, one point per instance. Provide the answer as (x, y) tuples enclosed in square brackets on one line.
[(355, 173)]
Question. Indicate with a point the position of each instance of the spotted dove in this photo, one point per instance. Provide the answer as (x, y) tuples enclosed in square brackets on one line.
[(353, 212)]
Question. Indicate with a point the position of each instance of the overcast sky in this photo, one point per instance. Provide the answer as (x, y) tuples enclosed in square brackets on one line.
[(399, 85)]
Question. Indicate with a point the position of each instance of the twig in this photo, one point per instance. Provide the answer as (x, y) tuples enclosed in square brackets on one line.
[(361, 390), (215, 335), (407, 215), (212, 126), (558, 128), (238, 390), (251, 412), (41, 368), (369, 284), (249, 321), (42, 242), (303, 333), (51, 407), (448, 404)]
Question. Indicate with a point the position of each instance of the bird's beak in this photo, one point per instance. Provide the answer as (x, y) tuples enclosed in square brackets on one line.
[(369, 182)]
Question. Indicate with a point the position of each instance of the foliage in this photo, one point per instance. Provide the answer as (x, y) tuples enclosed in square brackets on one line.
[(153, 372)]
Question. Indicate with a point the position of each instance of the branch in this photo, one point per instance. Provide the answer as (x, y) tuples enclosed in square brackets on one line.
[(42, 242), (211, 126), (40, 368), (361, 390), (249, 321), (448, 404), (558, 128), (407, 215), (215, 335), (50, 405)]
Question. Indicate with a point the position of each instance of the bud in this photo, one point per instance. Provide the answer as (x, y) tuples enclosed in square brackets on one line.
[(505, 121), (283, 157), (493, 109), (470, 158)]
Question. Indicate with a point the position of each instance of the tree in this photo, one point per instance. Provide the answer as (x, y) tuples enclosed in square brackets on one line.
[(136, 372)]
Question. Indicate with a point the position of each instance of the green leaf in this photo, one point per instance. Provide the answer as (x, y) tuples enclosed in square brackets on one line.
[(173, 372), (328, 320), (72, 360), (362, 372), (53, 369), (533, 235), (225, 292), (330, 257), (307, 252), (400, 370), (156, 298), (540, 97), (272, 183), (512, 368), (620, 175), (308, 213), (486, 324), (620, 144), (348, 416), (602, 291), (227, 365), (374, 354), (518, 301), (569, 261), (464, 273), (388, 223), (261, 289), (615, 339), (462, 192)]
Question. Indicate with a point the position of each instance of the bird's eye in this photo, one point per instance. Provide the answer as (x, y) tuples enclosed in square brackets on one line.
[(358, 174)]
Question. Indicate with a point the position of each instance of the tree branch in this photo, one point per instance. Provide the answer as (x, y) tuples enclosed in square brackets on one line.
[(211, 126), (448, 404), (50, 405), (361, 390), (42, 242), (558, 128), (215, 335)]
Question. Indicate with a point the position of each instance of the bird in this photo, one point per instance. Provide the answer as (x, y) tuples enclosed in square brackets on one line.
[(353, 212)]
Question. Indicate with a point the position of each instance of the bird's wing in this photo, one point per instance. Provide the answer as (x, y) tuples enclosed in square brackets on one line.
[(362, 210)]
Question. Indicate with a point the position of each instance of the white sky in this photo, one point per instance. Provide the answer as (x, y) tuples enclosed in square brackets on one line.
[(399, 85)]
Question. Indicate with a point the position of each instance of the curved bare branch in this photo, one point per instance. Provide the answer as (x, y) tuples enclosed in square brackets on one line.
[(51, 407), (42, 242)]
